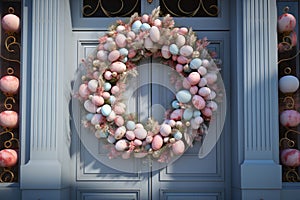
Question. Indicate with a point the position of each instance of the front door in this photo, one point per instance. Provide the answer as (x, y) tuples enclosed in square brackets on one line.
[(189, 177)]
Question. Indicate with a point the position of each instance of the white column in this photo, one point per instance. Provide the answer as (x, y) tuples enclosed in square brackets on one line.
[(260, 171), (45, 99)]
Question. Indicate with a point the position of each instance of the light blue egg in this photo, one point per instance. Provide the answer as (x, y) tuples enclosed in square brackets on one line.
[(107, 86), (106, 110), (103, 134), (130, 125), (145, 26), (197, 113), (175, 104), (124, 60), (123, 52), (174, 49), (136, 26), (183, 96), (112, 99), (177, 135), (89, 116), (195, 63), (187, 114)]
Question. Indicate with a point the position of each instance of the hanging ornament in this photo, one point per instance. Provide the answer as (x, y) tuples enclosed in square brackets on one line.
[(8, 158), (288, 84), (290, 157), (11, 22)]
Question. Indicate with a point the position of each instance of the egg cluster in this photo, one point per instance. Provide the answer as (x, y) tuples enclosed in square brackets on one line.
[(117, 56)]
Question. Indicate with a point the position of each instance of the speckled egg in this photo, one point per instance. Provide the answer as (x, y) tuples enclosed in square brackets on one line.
[(118, 67), (113, 55), (110, 46), (202, 82), (176, 114), (8, 158), (89, 106), (9, 119), (198, 102), (119, 110), (106, 95), (105, 110), (119, 120), (183, 31), (121, 145), (165, 130), (179, 68), (130, 135), (131, 35), (11, 23), (180, 41), (120, 40), (194, 125), (288, 84), (154, 34), (178, 147), (212, 105), (198, 120), (140, 133), (93, 85), (120, 132), (194, 78), (137, 142), (9, 84), (290, 118), (186, 50), (286, 23), (206, 112), (157, 142), (290, 157), (183, 96)]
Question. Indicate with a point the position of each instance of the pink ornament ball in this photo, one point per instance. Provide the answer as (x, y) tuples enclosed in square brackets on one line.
[(9, 84), (178, 147), (8, 158), (9, 119), (11, 23), (290, 118), (290, 157), (286, 23)]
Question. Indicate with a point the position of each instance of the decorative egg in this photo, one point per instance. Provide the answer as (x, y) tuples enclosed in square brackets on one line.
[(110, 46), (198, 102), (112, 99), (172, 123), (157, 22), (121, 145), (130, 125), (137, 142), (194, 125), (131, 53), (182, 60), (183, 96), (149, 139), (154, 34), (11, 23), (102, 55), (140, 133), (157, 142), (286, 23), (111, 117), (145, 27), (196, 113), (165, 129), (123, 52), (290, 157), (120, 132), (183, 31), (211, 96), (212, 105), (195, 63), (108, 75), (115, 90), (290, 118), (93, 85), (205, 63), (178, 147), (105, 110), (211, 78), (194, 78), (175, 104), (204, 91), (119, 110), (174, 49), (136, 26), (118, 67), (107, 86), (202, 71), (9, 84), (207, 112), (180, 41), (96, 119), (198, 120), (176, 114), (139, 125), (101, 134), (202, 82), (130, 135), (8, 158), (89, 116), (119, 120), (148, 43), (186, 50), (179, 68), (89, 106), (145, 18), (9, 119), (120, 28), (111, 139), (288, 84), (106, 95), (83, 91), (177, 135), (121, 40), (165, 52), (194, 90), (113, 55), (188, 114)]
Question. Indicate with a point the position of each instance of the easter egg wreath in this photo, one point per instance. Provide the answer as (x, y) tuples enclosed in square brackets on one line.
[(119, 52)]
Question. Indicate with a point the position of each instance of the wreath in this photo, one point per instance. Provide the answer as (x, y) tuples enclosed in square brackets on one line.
[(106, 74)]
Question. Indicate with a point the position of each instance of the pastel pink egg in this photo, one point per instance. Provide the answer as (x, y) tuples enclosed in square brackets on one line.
[(186, 50), (182, 60), (179, 68), (108, 75), (119, 120), (130, 135), (102, 55), (157, 23), (89, 106), (140, 133), (97, 100), (111, 117), (119, 110), (290, 118), (204, 91), (180, 40), (157, 142), (8, 158), (131, 53), (118, 67), (176, 114), (198, 102), (178, 147), (120, 132), (205, 63), (106, 95), (9, 84), (165, 52), (286, 23), (120, 28), (206, 112), (145, 18), (165, 130), (11, 23), (121, 145), (199, 120), (121, 40), (9, 119), (194, 78), (137, 142), (113, 55), (131, 35), (202, 82), (290, 157), (96, 119), (93, 85), (202, 71), (149, 139), (183, 31), (194, 90), (115, 90), (154, 34)]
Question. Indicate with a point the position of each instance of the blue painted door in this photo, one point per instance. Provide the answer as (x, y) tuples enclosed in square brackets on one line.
[(189, 177)]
